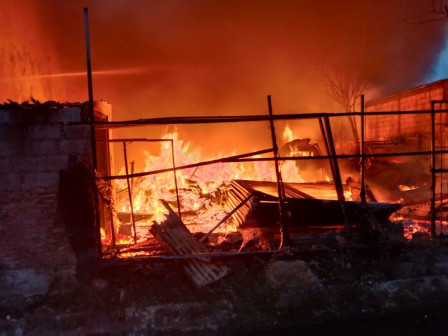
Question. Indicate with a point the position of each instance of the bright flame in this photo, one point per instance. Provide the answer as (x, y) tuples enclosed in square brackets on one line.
[(201, 189), (402, 187), (287, 134)]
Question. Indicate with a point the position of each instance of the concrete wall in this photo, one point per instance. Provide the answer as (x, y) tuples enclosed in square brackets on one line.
[(35, 143)]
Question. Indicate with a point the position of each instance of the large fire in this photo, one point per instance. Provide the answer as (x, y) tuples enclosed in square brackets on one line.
[(201, 190)]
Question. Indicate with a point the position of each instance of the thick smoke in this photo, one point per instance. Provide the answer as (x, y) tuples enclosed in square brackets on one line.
[(25, 55), (221, 57)]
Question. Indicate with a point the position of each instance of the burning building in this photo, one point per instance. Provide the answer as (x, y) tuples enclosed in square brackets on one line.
[(202, 214), (175, 241)]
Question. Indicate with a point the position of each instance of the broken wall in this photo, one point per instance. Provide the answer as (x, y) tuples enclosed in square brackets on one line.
[(36, 142)]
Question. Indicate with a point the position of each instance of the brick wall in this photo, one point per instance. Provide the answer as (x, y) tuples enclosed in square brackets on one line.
[(35, 143), (392, 128)]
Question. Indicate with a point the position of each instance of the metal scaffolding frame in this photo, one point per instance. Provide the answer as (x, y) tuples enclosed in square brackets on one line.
[(128, 178), (437, 144), (324, 121)]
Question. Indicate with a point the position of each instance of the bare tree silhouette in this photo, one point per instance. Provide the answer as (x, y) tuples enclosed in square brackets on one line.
[(346, 90)]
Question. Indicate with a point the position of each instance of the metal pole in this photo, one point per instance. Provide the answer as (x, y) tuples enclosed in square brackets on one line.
[(90, 88), (241, 118), (92, 132), (175, 180), (112, 227), (226, 217), (234, 158), (285, 240), (129, 191), (337, 175), (440, 142), (327, 147), (363, 186), (433, 172)]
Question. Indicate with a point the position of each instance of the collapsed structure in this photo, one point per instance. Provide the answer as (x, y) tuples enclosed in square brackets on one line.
[(392, 123), (52, 192)]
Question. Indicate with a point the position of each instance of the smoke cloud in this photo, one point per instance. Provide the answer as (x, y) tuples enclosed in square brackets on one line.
[(221, 57)]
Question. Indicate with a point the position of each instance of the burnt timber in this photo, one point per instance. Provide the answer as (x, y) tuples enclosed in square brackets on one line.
[(176, 239), (305, 210)]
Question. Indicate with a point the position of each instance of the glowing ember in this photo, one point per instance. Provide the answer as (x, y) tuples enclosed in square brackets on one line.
[(402, 187), (411, 227)]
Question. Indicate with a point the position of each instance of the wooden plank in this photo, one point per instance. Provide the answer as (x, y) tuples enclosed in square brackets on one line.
[(176, 239)]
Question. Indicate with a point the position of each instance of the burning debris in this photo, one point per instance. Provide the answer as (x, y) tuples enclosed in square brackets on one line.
[(177, 240), (244, 194), (127, 221), (188, 231), (213, 199)]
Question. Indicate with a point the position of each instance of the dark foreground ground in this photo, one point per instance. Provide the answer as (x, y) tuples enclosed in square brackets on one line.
[(433, 321), (326, 286)]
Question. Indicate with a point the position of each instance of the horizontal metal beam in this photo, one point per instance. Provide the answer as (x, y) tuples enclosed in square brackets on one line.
[(343, 156), (196, 255), (242, 118), (245, 158), (134, 140), (234, 158)]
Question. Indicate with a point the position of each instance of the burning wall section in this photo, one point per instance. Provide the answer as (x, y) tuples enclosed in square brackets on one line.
[(35, 144)]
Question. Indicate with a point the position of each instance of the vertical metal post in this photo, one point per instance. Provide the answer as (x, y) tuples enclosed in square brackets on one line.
[(175, 180), (336, 173), (440, 167), (112, 227), (90, 88), (129, 191), (92, 131), (132, 172), (433, 171), (285, 239), (327, 148), (363, 185)]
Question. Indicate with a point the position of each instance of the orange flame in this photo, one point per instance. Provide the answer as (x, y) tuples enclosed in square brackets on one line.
[(198, 187), (287, 134)]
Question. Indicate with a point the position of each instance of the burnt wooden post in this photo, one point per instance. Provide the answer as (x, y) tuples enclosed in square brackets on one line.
[(285, 239)]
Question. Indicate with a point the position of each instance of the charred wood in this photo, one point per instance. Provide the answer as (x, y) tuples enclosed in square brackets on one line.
[(262, 211), (176, 239)]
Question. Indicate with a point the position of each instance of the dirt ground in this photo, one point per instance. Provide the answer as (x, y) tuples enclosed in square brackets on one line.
[(328, 286)]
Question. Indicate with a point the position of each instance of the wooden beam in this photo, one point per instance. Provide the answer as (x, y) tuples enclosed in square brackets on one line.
[(176, 239)]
